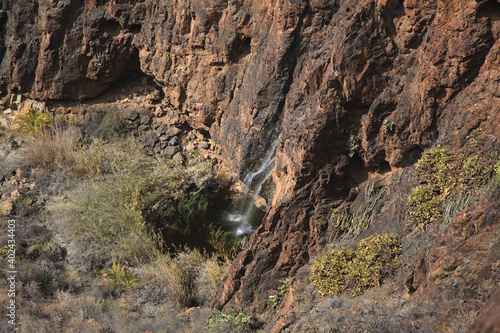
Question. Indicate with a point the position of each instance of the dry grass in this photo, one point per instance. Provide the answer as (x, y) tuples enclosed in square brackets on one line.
[(188, 279), (52, 151)]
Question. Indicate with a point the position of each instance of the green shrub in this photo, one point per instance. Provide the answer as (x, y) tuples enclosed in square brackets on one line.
[(352, 146), (112, 126), (475, 171), (232, 319), (120, 278), (424, 203), (375, 257), (423, 206), (356, 270), (434, 167), (34, 122)]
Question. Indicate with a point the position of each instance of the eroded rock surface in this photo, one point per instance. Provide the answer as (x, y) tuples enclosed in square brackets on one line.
[(354, 88)]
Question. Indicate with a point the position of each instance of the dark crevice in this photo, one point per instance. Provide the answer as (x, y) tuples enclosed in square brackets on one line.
[(240, 48), (111, 27)]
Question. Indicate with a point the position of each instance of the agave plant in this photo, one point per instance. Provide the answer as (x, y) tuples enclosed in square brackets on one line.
[(120, 278), (34, 122)]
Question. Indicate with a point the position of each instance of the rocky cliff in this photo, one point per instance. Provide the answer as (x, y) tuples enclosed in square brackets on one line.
[(358, 90)]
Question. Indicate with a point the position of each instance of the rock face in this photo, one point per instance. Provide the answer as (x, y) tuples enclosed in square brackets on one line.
[(354, 87)]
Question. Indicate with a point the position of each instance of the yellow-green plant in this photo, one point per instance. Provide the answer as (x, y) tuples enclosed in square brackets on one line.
[(330, 272), (434, 168), (34, 122), (475, 171), (120, 278), (495, 180), (374, 258), (352, 146), (283, 292), (4, 251), (424, 203), (284, 289), (356, 270), (232, 319)]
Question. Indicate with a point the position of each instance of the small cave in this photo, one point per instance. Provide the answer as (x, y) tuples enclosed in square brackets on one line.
[(240, 48), (383, 167), (412, 156), (357, 171), (110, 27), (135, 28)]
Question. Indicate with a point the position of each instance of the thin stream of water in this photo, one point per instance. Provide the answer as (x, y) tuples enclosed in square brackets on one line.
[(242, 217)]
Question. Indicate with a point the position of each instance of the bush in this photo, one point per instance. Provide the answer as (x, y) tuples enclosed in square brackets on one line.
[(131, 197), (423, 206), (189, 278), (434, 167), (120, 278), (233, 320), (112, 126), (356, 270), (424, 203), (34, 122), (53, 151), (475, 171)]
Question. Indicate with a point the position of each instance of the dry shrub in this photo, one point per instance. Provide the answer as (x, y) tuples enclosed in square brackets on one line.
[(52, 151), (188, 279)]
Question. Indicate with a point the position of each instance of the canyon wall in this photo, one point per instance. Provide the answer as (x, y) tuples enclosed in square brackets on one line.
[(355, 88)]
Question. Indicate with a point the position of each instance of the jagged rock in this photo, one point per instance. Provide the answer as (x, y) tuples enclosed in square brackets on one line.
[(170, 151), (131, 114), (145, 119), (149, 139), (173, 141), (15, 195), (6, 207), (353, 87)]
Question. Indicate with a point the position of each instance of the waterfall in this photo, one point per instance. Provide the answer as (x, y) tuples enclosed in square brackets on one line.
[(242, 217)]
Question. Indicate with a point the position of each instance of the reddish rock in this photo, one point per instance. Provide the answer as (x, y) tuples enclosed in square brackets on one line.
[(354, 88)]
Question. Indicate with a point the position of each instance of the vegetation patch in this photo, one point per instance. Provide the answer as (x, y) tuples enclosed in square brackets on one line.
[(32, 122), (446, 177), (356, 270), (282, 293), (475, 171), (353, 224), (424, 203), (120, 278), (233, 320)]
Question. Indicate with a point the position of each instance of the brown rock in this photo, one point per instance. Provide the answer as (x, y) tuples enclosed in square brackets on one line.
[(6, 207), (15, 195)]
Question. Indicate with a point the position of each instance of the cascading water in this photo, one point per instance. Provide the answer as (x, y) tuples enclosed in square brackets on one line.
[(243, 216)]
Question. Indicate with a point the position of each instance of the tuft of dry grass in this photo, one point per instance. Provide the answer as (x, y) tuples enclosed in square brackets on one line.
[(52, 151), (190, 278)]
